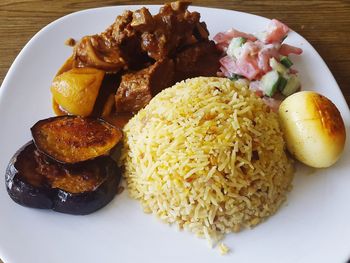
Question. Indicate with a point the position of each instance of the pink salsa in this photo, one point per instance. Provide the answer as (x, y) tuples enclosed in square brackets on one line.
[(263, 59)]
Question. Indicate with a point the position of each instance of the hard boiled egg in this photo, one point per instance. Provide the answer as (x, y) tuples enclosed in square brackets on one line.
[(313, 128)]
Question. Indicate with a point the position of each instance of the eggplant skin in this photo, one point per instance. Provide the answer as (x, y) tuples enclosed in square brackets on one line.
[(23, 192), (90, 201), (38, 193)]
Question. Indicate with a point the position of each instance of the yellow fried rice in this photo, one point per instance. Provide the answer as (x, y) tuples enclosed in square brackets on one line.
[(208, 155)]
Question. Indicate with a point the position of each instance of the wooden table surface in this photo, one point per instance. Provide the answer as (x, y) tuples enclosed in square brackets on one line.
[(325, 24)]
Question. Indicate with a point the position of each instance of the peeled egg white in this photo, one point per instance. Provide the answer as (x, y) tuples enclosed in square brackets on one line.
[(313, 128)]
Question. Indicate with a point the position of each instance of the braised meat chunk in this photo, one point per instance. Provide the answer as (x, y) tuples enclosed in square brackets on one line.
[(149, 52), (127, 38), (98, 52), (174, 26), (200, 59), (178, 42), (142, 20), (136, 89)]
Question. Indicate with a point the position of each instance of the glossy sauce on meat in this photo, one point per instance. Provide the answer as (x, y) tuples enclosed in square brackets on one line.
[(149, 53)]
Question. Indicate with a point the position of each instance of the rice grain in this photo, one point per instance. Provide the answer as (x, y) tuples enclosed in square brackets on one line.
[(208, 155)]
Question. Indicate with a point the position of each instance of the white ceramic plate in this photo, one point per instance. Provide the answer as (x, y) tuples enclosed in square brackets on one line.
[(313, 226)]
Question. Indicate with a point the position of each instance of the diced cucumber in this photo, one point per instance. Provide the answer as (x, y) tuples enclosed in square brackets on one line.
[(282, 84), (293, 84), (269, 82), (238, 41), (243, 82), (235, 77), (275, 65), (261, 36), (234, 48), (285, 61)]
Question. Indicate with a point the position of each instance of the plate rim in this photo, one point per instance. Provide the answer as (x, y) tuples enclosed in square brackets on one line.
[(191, 7), (4, 86)]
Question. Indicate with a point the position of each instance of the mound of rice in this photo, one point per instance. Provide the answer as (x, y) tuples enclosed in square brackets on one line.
[(208, 155)]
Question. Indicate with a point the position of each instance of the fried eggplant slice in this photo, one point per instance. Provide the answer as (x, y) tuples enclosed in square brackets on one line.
[(73, 139), (34, 180)]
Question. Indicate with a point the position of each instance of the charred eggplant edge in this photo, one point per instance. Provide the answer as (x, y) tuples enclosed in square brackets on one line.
[(71, 116)]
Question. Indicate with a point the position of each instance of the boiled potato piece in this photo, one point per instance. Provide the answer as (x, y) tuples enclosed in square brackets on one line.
[(67, 65), (76, 90), (313, 128)]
